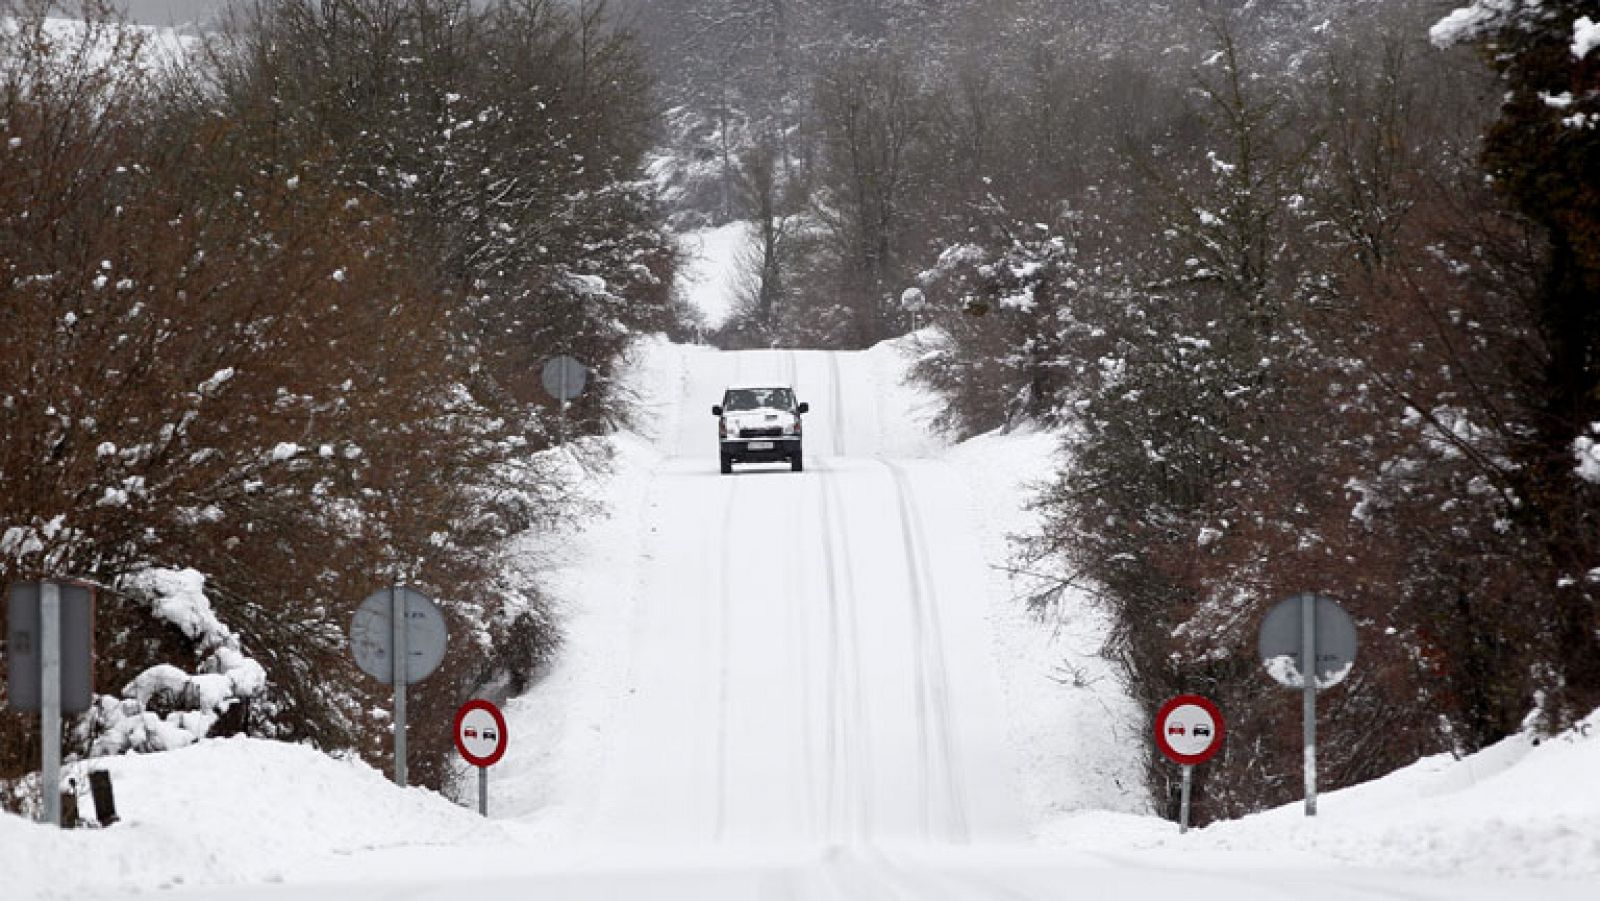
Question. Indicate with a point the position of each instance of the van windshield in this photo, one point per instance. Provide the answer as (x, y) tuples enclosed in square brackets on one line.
[(740, 399)]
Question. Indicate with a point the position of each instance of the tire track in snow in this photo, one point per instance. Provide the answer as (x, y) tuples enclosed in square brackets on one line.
[(723, 649), (849, 813), (831, 713), (724, 653), (938, 755), (800, 625)]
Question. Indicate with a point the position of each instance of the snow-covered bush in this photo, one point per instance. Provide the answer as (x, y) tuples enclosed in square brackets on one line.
[(1001, 322), (298, 353), (223, 677)]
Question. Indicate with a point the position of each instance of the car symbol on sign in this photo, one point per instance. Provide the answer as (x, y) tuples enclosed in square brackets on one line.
[(488, 735), (1175, 729), (470, 733), (1202, 729)]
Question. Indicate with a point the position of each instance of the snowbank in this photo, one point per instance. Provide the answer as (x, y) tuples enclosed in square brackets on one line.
[(1514, 810), (227, 811)]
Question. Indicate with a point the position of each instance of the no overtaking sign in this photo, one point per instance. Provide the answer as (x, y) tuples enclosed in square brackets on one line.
[(480, 733), (1189, 729), (481, 738)]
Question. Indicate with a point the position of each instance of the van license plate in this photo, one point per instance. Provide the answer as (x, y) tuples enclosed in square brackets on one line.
[(759, 445)]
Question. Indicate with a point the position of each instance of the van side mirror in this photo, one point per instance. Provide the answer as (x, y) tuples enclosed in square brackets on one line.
[(803, 408), (716, 410)]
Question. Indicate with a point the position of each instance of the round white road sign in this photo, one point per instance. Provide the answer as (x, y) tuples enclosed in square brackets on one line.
[(480, 733), (372, 634), (1189, 729), (564, 378), (1283, 637)]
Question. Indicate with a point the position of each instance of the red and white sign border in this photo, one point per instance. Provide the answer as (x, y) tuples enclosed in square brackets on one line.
[(1172, 753), (499, 721)]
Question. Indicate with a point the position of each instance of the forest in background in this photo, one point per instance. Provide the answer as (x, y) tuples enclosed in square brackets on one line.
[(1309, 288)]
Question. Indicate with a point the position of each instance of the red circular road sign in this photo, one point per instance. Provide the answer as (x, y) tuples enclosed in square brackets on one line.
[(480, 733), (1189, 729)]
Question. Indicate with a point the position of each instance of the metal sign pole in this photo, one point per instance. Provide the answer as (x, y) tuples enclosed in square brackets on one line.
[(50, 700), (1183, 810), (563, 377), (1308, 673), (397, 617), (483, 791)]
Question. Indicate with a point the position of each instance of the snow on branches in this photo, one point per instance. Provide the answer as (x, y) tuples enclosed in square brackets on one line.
[(1468, 23), (1587, 449), (224, 677)]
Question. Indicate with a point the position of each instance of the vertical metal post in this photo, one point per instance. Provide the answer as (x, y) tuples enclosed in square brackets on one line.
[(561, 434), (402, 655), (483, 791), (50, 700), (1183, 808), (1308, 673)]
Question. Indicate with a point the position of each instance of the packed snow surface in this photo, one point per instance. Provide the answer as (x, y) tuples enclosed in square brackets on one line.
[(811, 685)]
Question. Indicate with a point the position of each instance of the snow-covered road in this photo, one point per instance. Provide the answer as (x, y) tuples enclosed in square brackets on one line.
[(809, 663), (785, 686)]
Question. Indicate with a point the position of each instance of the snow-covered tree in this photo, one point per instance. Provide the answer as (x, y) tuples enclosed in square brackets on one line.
[(275, 319), (1543, 153)]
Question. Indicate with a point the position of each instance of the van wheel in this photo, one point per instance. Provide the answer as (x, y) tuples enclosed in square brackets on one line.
[(795, 464), (727, 465)]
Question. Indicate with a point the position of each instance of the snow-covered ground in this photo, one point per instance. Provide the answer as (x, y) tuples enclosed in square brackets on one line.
[(811, 685), (226, 812)]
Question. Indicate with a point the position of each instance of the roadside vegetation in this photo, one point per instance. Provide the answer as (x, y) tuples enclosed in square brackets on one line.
[(275, 307)]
